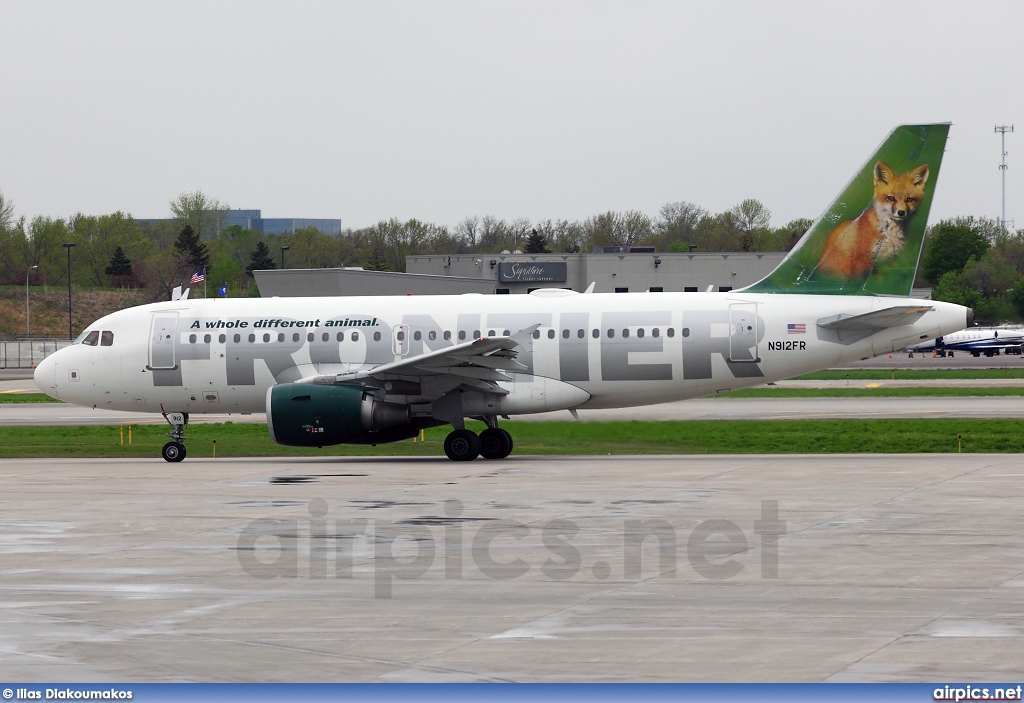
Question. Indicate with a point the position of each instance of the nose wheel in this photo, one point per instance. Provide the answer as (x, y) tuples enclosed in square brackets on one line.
[(174, 451)]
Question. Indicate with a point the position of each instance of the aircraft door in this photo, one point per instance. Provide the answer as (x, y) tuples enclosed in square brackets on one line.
[(743, 332), (400, 340), (161, 340)]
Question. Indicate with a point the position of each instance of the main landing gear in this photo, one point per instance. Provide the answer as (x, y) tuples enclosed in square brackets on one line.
[(174, 451), (466, 445)]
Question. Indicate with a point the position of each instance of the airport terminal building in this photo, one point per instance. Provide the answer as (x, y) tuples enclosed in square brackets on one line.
[(254, 220), (611, 270)]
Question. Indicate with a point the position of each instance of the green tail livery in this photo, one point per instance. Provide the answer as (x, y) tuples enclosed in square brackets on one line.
[(869, 240)]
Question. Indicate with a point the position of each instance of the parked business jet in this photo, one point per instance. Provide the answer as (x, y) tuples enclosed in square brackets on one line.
[(371, 370), (977, 340)]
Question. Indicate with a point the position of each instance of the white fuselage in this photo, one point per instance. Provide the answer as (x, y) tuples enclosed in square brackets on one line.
[(591, 351)]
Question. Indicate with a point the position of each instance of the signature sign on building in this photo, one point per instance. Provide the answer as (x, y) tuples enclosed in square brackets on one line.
[(524, 271)]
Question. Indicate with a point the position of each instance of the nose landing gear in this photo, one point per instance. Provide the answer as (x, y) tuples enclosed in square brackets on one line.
[(174, 451)]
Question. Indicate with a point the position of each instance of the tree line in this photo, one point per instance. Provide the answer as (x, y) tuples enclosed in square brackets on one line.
[(115, 250), (971, 261)]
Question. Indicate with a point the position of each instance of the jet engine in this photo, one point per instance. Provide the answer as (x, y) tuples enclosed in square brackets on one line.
[(314, 415)]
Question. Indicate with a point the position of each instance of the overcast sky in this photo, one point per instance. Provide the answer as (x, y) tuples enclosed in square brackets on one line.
[(441, 110)]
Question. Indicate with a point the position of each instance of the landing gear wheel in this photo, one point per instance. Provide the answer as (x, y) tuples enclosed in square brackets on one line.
[(511, 444), (462, 445), (173, 452), (495, 443)]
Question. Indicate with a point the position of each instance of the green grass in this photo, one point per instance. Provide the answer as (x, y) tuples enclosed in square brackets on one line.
[(773, 392), (908, 374), (26, 398), (555, 438), (761, 392)]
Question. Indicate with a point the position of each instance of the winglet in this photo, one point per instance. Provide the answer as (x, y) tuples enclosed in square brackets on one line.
[(590, 288), (522, 337)]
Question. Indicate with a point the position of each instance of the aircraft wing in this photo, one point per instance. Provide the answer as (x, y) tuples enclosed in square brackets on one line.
[(875, 320), (479, 364)]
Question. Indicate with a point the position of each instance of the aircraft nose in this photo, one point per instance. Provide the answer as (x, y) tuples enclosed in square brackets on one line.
[(45, 376)]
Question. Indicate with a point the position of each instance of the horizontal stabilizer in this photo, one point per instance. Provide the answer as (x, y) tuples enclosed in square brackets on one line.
[(876, 320)]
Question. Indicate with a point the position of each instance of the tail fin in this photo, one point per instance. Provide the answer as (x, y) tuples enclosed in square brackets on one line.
[(869, 240)]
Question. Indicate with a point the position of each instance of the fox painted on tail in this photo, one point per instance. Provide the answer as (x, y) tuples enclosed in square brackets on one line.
[(853, 248)]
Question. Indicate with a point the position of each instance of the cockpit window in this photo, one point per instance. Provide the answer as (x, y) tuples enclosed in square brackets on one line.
[(106, 339), (92, 338)]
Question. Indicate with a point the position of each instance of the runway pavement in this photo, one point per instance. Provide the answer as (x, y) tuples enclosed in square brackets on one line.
[(787, 568)]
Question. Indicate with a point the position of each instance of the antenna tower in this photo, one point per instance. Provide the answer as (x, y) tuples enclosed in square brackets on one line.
[(1002, 130)]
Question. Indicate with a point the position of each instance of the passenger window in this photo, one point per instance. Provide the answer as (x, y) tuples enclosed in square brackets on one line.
[(640, 332), (581, 334), (340, 336), (625, 332), (490, 333), (91, 338), (238, 338), (252, 338), (376, 336), (206, 339), (671, 332), (551, 334), (266, 337), (611, 334), (432, 335), (295, 337), (447, 335), (106, 339), (506, 333), (655, 332), (309, 337), (325, 337), (280, 336), (355, 336), (565, 334), (686, 332), (596, 334), (417, 336), (462, 334), (191, 339), (476, 334), (223, 338), (536, 334)]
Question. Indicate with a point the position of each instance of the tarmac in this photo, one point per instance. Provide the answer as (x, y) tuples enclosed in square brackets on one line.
[(752, 568)]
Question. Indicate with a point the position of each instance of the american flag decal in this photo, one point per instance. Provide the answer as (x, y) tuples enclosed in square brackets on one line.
[(799, 328)]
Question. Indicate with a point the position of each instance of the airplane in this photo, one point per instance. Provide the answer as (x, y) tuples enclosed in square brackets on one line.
[(370, 370), (977, 340)]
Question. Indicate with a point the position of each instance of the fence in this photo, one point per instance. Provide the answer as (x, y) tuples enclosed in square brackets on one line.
[(26, 353)]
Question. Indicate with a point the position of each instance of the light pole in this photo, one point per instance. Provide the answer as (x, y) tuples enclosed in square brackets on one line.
[(68, 247), (28, 314), (283, 250)]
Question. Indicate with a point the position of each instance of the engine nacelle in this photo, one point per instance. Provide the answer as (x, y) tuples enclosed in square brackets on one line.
[(314, 415)]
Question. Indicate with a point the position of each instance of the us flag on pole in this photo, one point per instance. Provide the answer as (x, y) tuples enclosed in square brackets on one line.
[(199, 276), (796, 328)]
